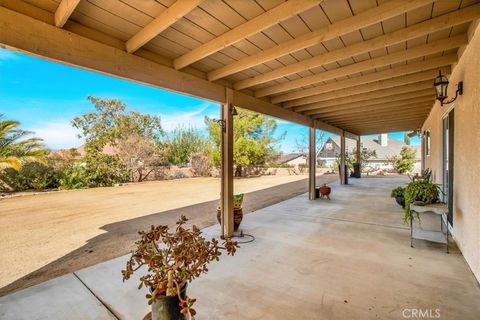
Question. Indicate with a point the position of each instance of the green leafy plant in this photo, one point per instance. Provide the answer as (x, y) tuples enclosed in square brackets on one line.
[(104, 170), (173, 260), (254, 140), (406, 161), (419, 190), (398, 192), (182, 143), (16, 148), (74, 177), (365, 155)]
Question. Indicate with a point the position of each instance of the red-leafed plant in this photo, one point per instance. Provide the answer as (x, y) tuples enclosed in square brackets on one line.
[(173, 260)]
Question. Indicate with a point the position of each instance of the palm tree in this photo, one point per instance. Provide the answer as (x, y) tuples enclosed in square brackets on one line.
[(15, 148)]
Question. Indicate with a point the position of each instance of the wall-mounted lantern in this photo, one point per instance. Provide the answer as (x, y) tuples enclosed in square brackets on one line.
[(222, 122), (441, 86)]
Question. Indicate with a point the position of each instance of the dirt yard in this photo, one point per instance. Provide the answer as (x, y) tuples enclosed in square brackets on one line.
[(46, 235)]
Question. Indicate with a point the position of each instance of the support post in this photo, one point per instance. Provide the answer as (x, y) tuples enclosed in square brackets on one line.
[(312, 164), (358, 166), (342, 159), (227, 165)]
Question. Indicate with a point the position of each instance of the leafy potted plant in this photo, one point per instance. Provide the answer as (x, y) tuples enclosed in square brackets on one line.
[(422, 191), (173, 260), (399, 195)]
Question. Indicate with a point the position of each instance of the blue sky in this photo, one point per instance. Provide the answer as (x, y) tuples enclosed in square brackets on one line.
[(44, 96)]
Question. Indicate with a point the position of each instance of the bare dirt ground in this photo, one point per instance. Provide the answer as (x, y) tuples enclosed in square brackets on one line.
[(46, 235)]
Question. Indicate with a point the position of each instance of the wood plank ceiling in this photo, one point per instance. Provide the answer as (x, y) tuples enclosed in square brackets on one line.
[(366, 66)]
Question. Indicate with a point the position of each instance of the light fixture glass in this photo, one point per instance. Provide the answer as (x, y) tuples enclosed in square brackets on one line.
[(441, 86)]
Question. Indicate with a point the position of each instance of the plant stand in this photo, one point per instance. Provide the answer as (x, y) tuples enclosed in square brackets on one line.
[(431, 235)]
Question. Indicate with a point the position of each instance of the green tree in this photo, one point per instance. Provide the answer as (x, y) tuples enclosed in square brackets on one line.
[(16, 148), (136, 138), (365, 155), (406, 161), (181, 143), (253, 140), (110, 123)]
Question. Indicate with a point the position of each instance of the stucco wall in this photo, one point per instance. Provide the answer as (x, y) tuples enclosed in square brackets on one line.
[(466, 216)]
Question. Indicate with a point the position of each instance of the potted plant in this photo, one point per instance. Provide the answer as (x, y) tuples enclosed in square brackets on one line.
[(237, 211), (422, 191), (325, 191), (399, 195), (173, 259)]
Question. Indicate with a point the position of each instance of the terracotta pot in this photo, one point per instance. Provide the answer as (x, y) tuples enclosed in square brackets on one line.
[(237, 217), (325, 191)]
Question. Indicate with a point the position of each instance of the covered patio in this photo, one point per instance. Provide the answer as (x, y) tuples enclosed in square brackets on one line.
[(348, 258), (351, 68), (347, 67)]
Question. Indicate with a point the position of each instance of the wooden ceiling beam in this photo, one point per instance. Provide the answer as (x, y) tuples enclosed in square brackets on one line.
[(387, 129), (370, 87), (376, 121), (363, 19), (414, 97), (26, 34), (168, 17), (396, 105), (399, 121), (384, 127), (382, 113), (253, 26), (394, 72), (64, 11), (417, 30), (369, 64), (391, 94)]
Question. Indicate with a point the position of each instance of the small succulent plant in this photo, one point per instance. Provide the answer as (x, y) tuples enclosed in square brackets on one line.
[(173, 260)]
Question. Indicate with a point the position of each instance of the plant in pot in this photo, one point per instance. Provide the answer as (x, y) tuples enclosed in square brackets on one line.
[(421, 192), (399, 195), (173, 259), (237, 211)]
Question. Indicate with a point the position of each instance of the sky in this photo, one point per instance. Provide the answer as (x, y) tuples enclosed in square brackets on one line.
[(45, 96)]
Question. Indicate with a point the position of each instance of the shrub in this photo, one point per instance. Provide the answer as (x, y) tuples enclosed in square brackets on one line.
[(32, 175), (105, 171), (201, 164), (419, 190), (97, 171), (398, 192), (179, 175), (406, 161), (283, 165), (73, 177)]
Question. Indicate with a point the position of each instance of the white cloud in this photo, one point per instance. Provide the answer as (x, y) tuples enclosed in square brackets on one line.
[(193, 119), (57, 134)]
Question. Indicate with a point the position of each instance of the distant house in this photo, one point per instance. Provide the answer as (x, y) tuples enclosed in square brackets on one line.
[(385, 147), (292, 159)]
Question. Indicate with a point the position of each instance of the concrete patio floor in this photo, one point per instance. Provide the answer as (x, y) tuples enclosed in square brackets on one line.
[(348, 258)]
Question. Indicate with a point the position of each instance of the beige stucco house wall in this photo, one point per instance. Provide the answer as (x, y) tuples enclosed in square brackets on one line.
[(466, 215)]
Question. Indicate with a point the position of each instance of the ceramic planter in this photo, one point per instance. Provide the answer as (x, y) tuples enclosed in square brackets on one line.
[(237, 217), (400, 201), (168, 308), (325, 191)]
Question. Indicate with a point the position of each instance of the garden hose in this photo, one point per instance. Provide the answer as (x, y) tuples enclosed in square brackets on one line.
[(242, 235)]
